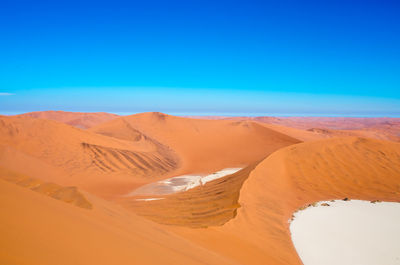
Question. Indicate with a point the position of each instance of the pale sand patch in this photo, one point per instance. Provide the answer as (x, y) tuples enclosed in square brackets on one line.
[(348, 233), (149, 199), (181, 183)]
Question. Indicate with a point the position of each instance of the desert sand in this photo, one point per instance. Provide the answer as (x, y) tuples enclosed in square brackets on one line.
[(66, 185)]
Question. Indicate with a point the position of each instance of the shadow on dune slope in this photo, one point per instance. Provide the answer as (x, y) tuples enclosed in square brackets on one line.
[(212, 204), (65, 194)]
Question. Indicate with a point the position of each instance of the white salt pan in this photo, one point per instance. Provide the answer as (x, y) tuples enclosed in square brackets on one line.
[(149, 199), (181, 183), (348, 233)]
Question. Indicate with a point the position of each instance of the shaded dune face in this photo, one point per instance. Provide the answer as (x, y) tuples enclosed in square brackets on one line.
[(212, 204), (66, 194), (138, 163), (298, 175), (123, 130)]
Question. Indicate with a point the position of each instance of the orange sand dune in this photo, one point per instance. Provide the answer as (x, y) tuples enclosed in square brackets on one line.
[(303, 135), (287, 180), (65, 194), (297, 175), (208, 205), (72, 156), (38, 230), (81, 120), (202, 145), (115, 157)]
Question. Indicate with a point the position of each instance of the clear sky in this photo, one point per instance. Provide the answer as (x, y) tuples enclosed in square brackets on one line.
[(201, 57)]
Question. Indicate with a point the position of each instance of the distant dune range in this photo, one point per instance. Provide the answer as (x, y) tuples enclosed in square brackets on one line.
[(377, 128), (77, 119), (241, 218)]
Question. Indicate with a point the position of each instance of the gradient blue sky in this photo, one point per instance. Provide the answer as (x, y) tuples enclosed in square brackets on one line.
[(201, 57)]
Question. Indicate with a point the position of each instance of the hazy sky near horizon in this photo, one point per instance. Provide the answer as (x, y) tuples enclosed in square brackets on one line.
[(194, 57)]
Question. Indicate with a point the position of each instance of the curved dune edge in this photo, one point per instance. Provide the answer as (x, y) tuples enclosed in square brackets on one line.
[(212, 204), (65, 194), (301, 174)]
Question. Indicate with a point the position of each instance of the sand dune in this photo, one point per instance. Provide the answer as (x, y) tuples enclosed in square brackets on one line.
[(36, 229), (301, 174), (240, 218), (204, 146), (55, 191), (81, 120), (114, 158), (100, 164), (211, 204)]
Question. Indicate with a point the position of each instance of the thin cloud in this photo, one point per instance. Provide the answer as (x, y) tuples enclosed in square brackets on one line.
[(6, 94)]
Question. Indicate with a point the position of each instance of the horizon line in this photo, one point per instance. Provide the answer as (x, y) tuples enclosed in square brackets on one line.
[(222, 114)]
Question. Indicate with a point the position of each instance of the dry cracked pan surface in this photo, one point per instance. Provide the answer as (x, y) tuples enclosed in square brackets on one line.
[(241, 218)]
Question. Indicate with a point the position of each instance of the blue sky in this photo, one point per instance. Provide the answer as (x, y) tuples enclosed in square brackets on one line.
[(201, 57)]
